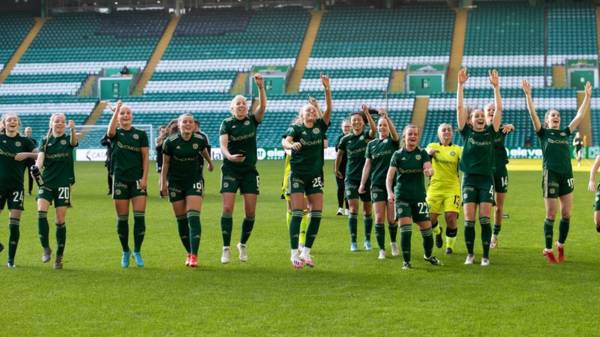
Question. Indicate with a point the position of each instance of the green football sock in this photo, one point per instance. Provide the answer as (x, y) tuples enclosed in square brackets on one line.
[(470, 236), (427, 235), (195, 230), (368, 221), (497, 229), (123, 231), (226, 227), (353, 226), (380, 235), (303, 227), (247, 226), (405, 237), (184, 232), (61, 238), (295, 228), (139, 230), (548, 232), (313, 228), (13, 238), (486, 235), (393, 228), (563, 230), (43, 228)]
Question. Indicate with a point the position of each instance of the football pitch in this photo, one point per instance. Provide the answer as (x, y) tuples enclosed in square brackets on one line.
[(346, 294)]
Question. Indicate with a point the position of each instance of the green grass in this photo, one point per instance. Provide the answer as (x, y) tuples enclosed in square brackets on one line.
[(347, 294)]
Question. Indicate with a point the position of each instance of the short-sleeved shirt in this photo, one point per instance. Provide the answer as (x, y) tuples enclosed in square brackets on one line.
[(555, 149), (500, 156), (127, 163), (184, 164), (380, 152), (308, 162), (242, 140), (410, 180), (59, 168), (354, 147), (11, 171), (445, 162), (478, 151)]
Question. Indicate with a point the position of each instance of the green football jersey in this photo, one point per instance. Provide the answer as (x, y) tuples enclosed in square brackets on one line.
[(410, 180), (380, 152), (354, 147), (500, 156), (242, 140), (58, 161), (478, 151), (185, 164), (308, 162), (126, 156), (555, 149), (11, 171)]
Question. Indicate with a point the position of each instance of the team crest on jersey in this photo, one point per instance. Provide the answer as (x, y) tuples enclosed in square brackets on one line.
[(385, 141), (247, 123), (452, 153), (418, 157), (63, 142), (178, 147), (18, 144), (233, 126), (195, 146), (563, 134), (304, 132), (136, 136), (316, 131)]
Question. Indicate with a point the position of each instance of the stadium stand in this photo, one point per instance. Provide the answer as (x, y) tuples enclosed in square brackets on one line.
[(14, 27), (571, 28), (355, 40), (508, 35)]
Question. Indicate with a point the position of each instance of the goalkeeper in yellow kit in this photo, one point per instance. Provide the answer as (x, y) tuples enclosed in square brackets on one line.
[(443, 193)]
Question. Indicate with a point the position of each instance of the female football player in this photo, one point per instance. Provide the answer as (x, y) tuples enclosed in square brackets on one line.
[(557, 178), (410, 165), (238, 145), (378, 155), (477, 164), (306, 142), (130, 178)]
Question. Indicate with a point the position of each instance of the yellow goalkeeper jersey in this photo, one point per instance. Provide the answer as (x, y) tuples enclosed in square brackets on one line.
[(445, 179)]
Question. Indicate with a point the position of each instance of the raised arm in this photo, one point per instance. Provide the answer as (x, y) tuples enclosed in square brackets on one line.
[(593, 170), (328, 100), (370, 121), (112, 126), (393, 131), (537, 125), (495, 82), (259, 113), (74, 140), (461, 113), (585, 105)]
